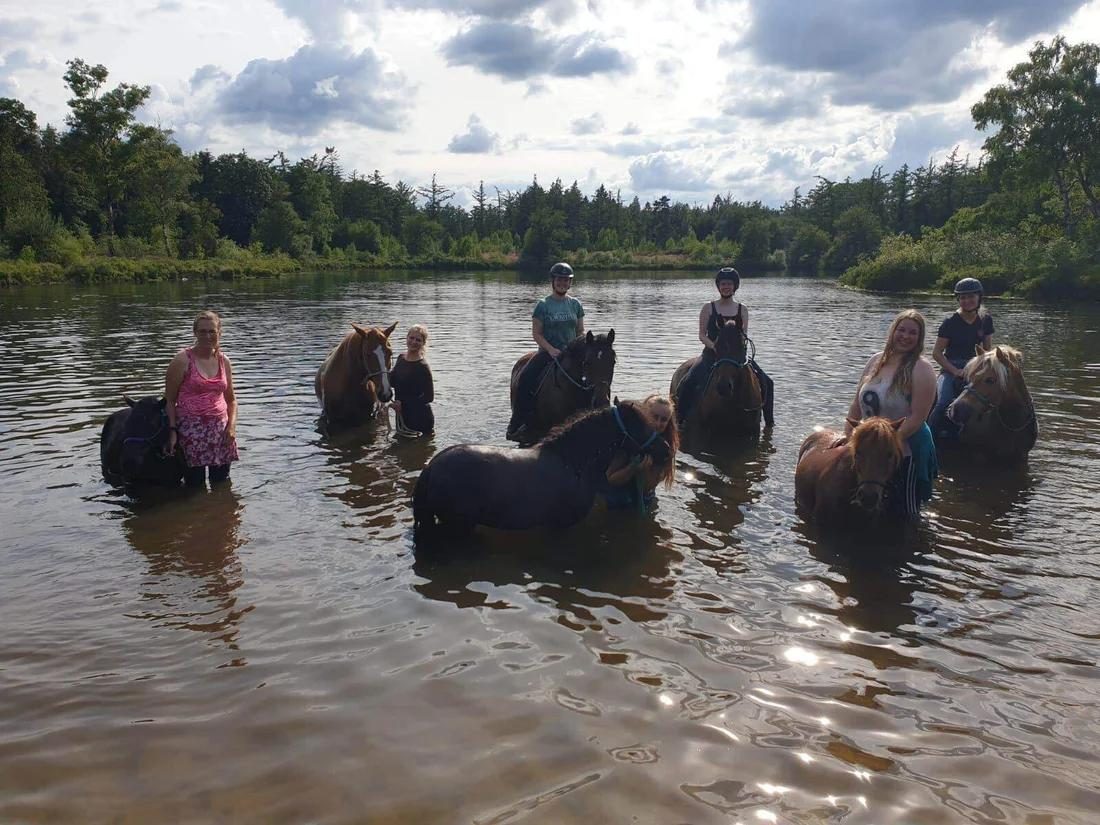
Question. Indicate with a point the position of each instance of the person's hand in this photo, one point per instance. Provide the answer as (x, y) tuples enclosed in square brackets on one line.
[(554, 352), (396, 405), (645, 464), (230, 435), (170, 446)]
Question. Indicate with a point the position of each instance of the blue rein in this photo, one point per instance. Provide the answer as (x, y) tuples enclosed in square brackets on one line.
[(626, 435)]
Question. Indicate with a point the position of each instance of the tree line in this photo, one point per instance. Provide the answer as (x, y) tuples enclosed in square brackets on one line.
[(107, 188)]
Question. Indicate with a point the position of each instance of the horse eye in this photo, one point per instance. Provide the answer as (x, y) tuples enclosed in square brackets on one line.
[(989, 380)]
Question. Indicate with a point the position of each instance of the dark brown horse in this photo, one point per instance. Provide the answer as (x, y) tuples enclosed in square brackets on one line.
[(132, 445), (579, 380), (994, 412), (843, 480), (552, 484), (730, 402), (356, 376)]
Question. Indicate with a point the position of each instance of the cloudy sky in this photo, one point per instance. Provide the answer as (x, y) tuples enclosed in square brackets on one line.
[(689, 97)]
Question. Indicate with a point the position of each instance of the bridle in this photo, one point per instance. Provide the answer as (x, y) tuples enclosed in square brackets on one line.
[(750, 357), (639, 446), (990, 405), (379, 354), (147, 439), (583, 385)]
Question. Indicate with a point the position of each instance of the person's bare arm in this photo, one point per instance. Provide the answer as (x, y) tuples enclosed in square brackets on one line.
[(230, 400), (177, 369), (939, 356), (924, 396), (536, 333), (704, 319)]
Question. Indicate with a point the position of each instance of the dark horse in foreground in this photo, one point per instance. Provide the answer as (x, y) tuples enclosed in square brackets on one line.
[(356, 376), (730, 401), (131, 446), (994, 412), (843, 481), (553, 484), (580, 379)]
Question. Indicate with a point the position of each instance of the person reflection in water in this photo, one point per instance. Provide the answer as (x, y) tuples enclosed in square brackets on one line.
[(900, 382), (632, 480), (194, 573)]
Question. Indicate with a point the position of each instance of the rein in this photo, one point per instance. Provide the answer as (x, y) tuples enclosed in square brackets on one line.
[(996, 408), (139, 439), (627, 436), (748, 359), (582, 385)]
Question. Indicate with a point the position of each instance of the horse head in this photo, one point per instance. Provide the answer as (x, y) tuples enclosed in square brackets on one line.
[(592, 357), (731, 350), (376, 359), (875, 451), (994, 383), (144, 436)]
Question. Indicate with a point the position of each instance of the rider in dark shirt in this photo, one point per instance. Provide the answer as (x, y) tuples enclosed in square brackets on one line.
[(956, 340)]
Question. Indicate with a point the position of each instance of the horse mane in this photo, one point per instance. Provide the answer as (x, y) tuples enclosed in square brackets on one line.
[(873, 430), (1003, 360), (577, 434)]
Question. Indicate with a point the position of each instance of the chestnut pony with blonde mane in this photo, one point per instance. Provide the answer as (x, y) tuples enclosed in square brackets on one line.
[(356, 376), (994, 412), (843, 480)]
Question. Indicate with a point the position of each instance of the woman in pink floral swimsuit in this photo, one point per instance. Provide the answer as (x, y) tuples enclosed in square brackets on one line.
[(202, 408)]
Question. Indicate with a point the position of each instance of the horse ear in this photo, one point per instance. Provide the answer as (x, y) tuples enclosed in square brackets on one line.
[(360, 330), (163, 403), (616, 401), (853, 422), (611, 336), (896, 423), (390, 329), (589, 337), (979, 349), (129, 401)]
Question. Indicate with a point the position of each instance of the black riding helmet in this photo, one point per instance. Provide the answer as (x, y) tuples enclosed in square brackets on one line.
[(728, 273), (561, 270), (969, 286)]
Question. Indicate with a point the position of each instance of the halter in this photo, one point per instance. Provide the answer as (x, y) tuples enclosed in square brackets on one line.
[(627, 436), (996, 408), (145, 439)]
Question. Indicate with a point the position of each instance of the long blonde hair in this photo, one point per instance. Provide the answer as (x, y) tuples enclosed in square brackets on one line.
[(903, 377), (671, 435)]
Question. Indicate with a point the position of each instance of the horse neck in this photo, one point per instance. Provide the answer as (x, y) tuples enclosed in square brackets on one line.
[(588, 445)]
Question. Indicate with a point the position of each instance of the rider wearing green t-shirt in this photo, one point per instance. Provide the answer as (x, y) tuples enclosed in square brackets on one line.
[(556, 320)]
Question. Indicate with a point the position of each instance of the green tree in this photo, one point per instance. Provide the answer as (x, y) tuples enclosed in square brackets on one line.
[(858, 233), (544, 239), (279, 229), (22, 189), (1047, 118), (755, 242), (808, 247), (158, 175), (99, 122)]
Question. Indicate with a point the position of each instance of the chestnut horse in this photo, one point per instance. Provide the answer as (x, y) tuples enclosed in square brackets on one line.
[(994, 412), (552, 484), (730, 401), (843, 480), (356, 376), (580, 379)]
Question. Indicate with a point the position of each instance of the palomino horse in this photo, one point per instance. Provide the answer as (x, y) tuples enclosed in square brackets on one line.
[(843, 480), (553, 484), (730, 401), (132, 444), (580, 379), (356, 376), (994, 412)]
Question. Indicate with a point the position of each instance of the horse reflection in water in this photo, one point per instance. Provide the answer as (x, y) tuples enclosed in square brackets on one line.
[(843, 481), (355, 377), (994, 412), (190, 543), (552, 484)]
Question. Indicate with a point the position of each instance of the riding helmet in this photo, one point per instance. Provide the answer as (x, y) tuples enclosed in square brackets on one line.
[(969, 286), (561, 270), (728, 273)]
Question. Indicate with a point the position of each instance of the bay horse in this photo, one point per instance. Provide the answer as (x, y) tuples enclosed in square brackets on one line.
[(843, 480), (579, 379), (355, 376), (994, 411), (552, 484), (132, 442), (730, 402)]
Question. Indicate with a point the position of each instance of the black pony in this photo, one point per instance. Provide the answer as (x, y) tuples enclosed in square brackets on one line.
[(131, 446), (549, 485)]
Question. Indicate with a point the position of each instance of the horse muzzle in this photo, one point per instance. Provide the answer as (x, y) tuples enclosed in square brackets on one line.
[(958, 413), (869, 497)]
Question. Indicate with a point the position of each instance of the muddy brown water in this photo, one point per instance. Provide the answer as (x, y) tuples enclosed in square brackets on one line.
[(277, 651)]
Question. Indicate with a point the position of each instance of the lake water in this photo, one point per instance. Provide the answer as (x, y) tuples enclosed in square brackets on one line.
[(276, 650)]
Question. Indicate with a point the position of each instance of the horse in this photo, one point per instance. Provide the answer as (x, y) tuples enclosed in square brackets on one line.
[(994, 411), (730, 402), (131, 445), (552, 484), (579, 379), (355, 376), (843, 480)]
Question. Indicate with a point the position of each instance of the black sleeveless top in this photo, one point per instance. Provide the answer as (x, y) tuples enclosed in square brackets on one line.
[(713, 326)]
